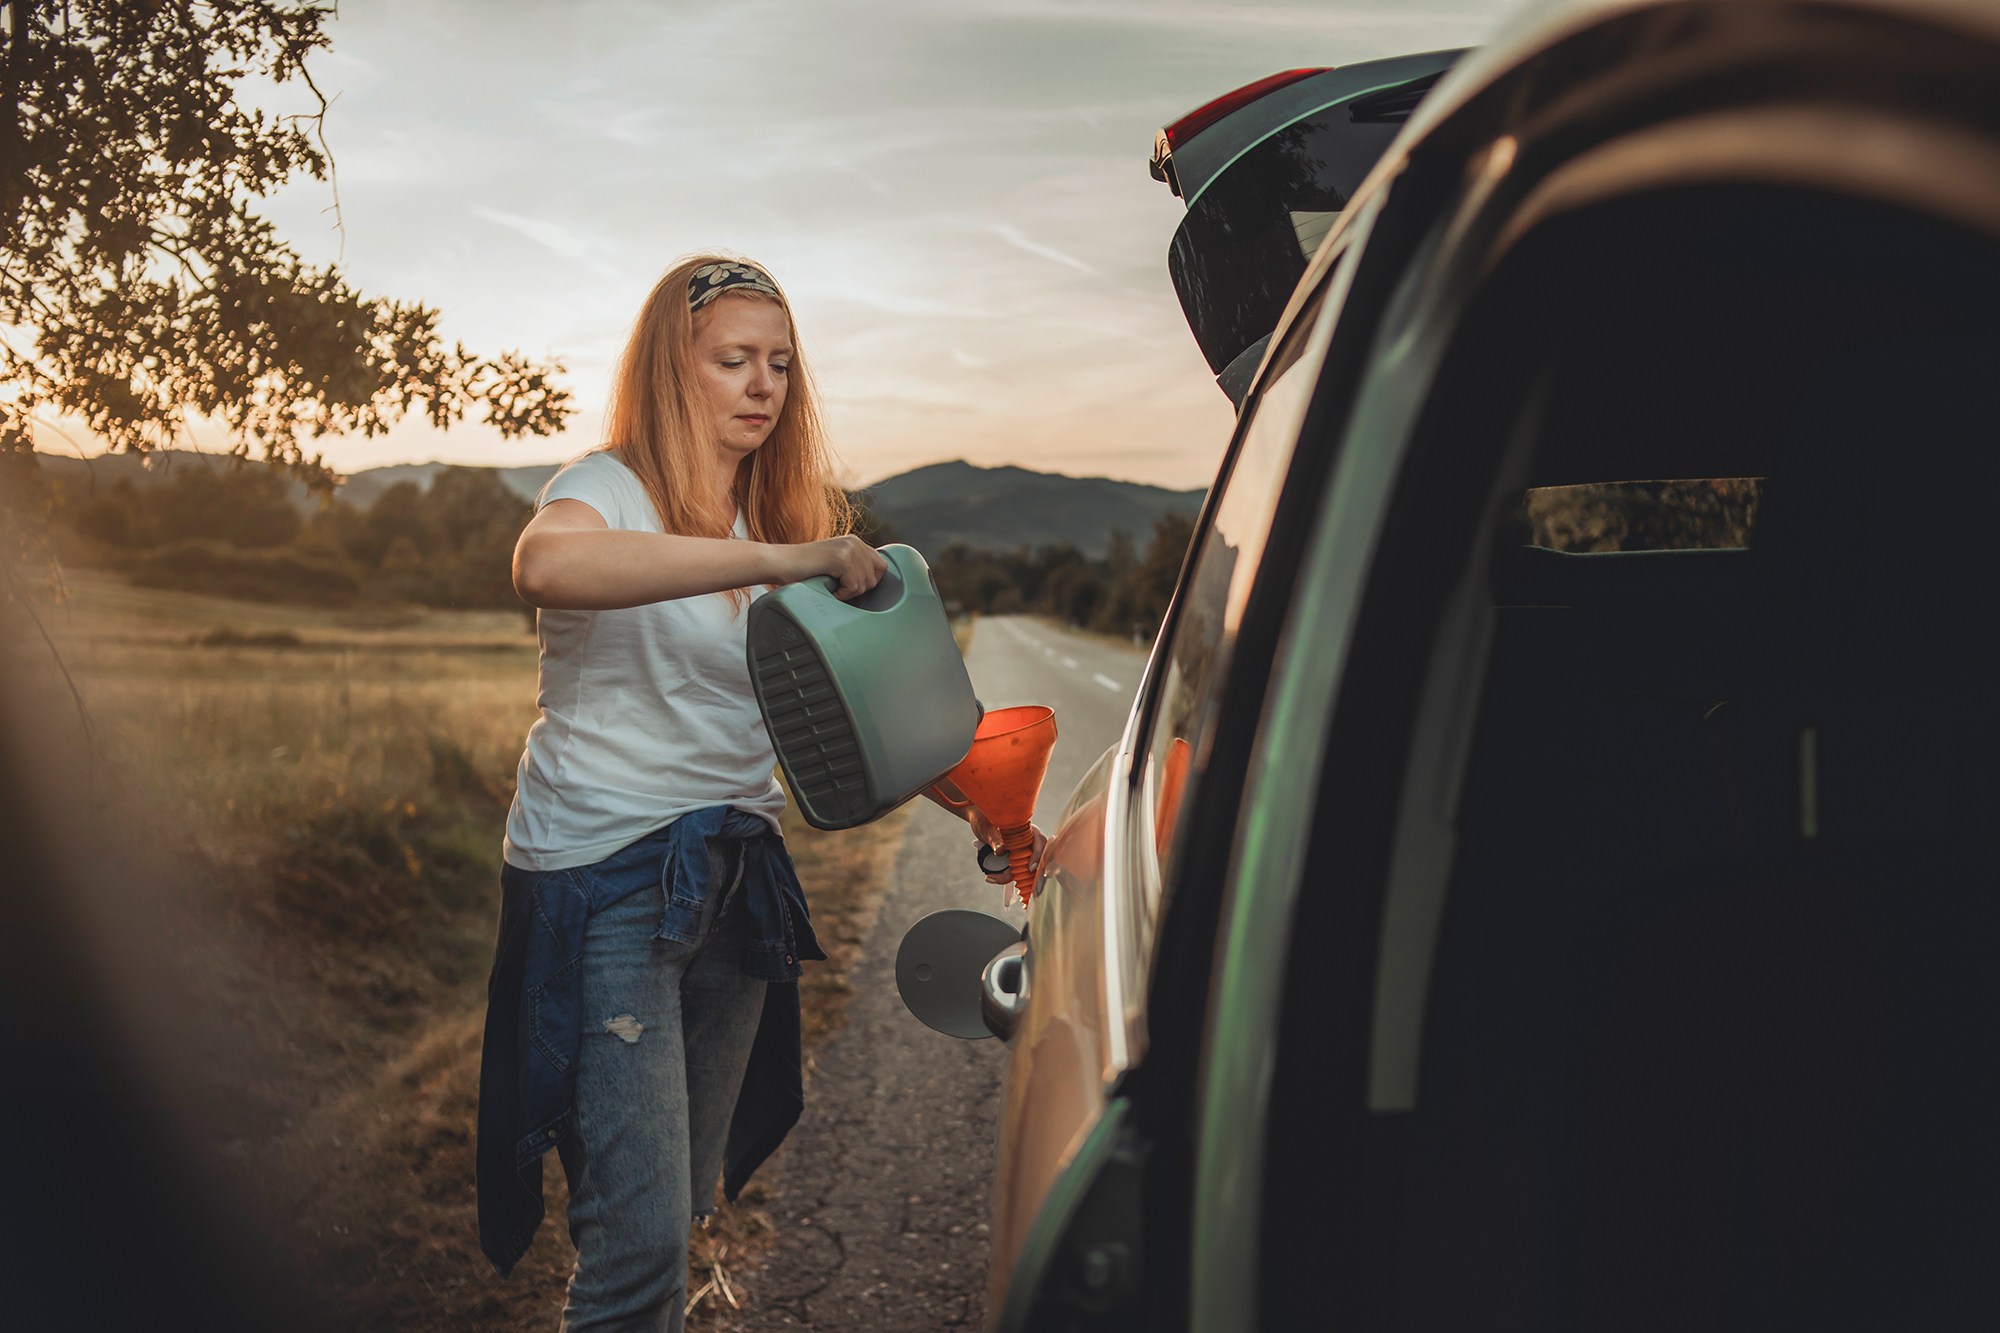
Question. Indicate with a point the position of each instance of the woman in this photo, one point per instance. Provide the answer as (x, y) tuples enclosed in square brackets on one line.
[(651, 922)]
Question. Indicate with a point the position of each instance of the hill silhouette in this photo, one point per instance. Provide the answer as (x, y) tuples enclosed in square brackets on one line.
[(1001, 508), (361, 489), (86, 477), (988, 508)]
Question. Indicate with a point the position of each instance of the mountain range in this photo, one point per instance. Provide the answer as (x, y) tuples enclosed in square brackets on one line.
[(1000, 508), (995, 508)]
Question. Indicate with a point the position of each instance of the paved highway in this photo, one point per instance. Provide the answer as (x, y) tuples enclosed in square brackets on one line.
[(882, 1193)]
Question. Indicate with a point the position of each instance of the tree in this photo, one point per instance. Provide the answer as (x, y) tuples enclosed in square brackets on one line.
[(249, 506), (246, 507), (397, 513), (1140, 596), (140, 285)]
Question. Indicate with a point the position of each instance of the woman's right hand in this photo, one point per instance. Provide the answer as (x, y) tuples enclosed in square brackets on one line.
[(851, 562)]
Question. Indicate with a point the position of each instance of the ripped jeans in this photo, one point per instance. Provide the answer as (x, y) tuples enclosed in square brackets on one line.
[(667, 1029)]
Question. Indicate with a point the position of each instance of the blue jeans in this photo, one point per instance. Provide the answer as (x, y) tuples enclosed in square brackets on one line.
[(667, 1029)]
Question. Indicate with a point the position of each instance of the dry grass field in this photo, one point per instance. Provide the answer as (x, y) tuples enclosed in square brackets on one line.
[(331, 788)]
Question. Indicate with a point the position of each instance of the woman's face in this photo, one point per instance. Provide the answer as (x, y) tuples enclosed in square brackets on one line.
[(743, 353)]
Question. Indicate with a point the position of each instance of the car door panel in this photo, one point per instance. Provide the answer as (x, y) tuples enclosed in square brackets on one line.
[(1056, 1075)]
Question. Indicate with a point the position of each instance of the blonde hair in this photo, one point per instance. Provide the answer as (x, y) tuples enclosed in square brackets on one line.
[(658, 423)]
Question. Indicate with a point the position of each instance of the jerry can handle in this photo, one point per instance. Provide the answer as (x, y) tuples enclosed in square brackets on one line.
[(884, 596), (944, 797)]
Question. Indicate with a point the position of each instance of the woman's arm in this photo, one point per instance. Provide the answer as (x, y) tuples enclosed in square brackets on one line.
[(569, 559)]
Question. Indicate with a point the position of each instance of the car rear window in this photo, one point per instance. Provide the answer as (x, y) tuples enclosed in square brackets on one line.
[(1247, 237), (1689, 514)]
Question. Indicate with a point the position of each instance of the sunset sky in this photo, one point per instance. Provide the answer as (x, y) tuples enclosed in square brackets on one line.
[(954, 193)]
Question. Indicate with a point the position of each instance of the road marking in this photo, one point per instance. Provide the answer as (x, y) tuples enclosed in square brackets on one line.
[(1070, 662), (1108, 683), (1048, 652)]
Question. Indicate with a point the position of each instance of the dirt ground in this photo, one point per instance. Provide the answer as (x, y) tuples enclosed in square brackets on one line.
[(320, 794)]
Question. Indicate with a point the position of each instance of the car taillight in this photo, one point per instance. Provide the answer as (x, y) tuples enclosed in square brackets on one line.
[(1205, 115)]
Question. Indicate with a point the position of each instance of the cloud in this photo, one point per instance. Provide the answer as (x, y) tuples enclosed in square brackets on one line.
[(634, 129), (871, 151), (1235, 19), (550, 236), (1014, 237)]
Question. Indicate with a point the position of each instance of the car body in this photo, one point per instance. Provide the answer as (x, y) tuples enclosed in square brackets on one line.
[(1521, 898)]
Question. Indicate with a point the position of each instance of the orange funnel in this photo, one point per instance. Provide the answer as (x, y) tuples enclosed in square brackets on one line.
[(1002, 775)]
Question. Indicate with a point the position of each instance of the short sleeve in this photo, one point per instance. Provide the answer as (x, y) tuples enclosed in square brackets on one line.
[(604, 483)]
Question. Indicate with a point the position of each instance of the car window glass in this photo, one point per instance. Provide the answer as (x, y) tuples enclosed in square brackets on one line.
[(1196, 657)]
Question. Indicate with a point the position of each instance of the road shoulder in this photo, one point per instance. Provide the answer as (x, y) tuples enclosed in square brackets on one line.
[(882, 1196)]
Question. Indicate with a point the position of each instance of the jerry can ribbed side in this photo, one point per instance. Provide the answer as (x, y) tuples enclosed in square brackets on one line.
[(867, 702)]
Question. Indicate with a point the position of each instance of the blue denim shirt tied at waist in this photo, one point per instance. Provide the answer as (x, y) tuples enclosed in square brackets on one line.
[(527, 1074)]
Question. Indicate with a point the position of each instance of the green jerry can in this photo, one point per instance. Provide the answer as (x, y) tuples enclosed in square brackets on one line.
[(867, 702)]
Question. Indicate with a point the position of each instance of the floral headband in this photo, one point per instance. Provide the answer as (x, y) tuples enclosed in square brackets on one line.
[(712, 280)]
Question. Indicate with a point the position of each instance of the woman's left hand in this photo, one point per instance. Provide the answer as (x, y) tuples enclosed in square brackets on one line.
[(850, 562), (983, 829)]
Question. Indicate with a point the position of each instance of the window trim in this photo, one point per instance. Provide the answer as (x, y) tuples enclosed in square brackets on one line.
[(1131, 816), (1152, 683)]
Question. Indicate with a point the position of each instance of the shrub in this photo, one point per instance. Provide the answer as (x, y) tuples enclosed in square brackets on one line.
[(246, 506), (222, 571), (237, 533), (362, 873), (224, 637), (116, 518)]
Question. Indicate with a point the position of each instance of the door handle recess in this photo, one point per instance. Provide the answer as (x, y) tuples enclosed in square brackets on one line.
[(1003, 990)]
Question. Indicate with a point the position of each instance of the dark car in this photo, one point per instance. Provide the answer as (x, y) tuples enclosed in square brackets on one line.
[(1550, 877), (1264, 171)]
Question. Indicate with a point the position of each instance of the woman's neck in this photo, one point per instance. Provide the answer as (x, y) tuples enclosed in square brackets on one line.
[(726, 499)]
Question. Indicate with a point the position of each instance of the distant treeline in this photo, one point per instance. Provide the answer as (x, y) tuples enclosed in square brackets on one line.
[(1126, 593), (233, 532)]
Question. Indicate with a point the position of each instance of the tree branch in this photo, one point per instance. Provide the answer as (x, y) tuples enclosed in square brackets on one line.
[(332, 169)]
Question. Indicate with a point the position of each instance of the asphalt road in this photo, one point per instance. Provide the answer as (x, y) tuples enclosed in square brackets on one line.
[(882, 1194)]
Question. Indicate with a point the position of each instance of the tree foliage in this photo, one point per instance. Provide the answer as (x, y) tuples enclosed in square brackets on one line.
[(246, 508), (239, 531), (1124, 593), (141, 286)]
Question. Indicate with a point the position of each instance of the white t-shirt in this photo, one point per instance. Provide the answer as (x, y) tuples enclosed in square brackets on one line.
[(647, 712)]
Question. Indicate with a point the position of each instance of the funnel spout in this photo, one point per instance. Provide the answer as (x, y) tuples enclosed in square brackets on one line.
[(1019, 843)]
